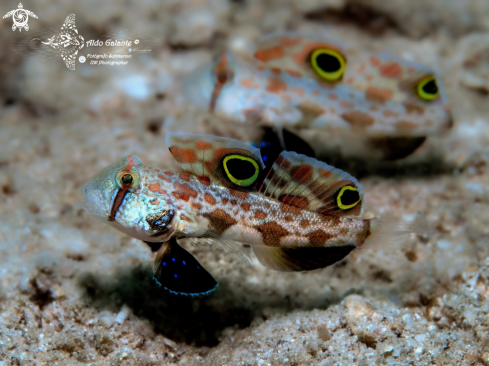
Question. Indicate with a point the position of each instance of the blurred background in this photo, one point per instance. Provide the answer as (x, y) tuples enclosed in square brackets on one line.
[(74, 291)]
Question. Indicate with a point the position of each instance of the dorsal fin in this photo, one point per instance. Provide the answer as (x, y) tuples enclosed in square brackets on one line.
[(304, 182), (381, 76), (217, 160), (291, 50)]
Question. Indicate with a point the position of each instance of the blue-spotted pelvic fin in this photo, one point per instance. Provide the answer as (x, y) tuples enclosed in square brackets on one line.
[(180, 273), (309, 184), (217, 160)]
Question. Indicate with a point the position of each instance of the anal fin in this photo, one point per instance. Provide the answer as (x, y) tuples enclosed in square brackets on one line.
[(395, 148), (300, 259), (179, 272)]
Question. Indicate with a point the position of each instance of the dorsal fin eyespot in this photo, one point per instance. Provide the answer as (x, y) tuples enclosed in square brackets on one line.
[(295, 180), (326, 60), (217, 160), (306, 183)]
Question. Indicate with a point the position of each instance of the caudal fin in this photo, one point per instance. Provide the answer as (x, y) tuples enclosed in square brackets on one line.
[(388, 233)]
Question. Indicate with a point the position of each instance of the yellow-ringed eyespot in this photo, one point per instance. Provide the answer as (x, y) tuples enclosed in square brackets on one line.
[(241, 170), (348, 197), (427, 88), (328, 64)]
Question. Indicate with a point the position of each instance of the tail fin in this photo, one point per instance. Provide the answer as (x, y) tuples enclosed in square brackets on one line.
[(390, 233)]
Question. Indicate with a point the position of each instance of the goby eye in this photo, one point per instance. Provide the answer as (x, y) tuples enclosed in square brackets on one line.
[(127, 180)]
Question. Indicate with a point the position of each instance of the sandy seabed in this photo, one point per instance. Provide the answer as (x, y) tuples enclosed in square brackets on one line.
[(75, 292)]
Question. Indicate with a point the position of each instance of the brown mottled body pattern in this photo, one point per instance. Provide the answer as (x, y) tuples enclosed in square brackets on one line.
[(207, 210)]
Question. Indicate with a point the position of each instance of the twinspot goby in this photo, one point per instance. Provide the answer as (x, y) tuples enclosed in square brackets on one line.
[(308, 81), (302, 214)]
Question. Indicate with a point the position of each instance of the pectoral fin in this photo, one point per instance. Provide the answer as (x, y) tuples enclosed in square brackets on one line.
[(300, 259), (179, 272)]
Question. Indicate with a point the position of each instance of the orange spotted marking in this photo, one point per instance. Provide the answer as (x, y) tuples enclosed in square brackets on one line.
[(391, 70), (239, 194), (332, 96), (294, 73), (388, 113), (271, 233), (209, 199), (247, 83), (374, 61), (183, 191), (162, 177), (293, 205), (203, 145), (345, 104), (130, 162), (260, 215), (276, 71), (245, 206), (298, 91), (301, 57), (301, 173), (325, 173), (183, 155), (358, 119), (156, 188), (378, 95), (168, 172), (287, 41), (413, 108), (252, 112), (270, 54), (318, 238), (406, 126), (154, 202), (204, 180), (220, 220), (275, 86), (184, 177)]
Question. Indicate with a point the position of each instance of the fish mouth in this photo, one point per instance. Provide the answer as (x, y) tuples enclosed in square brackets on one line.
[(94, 202)]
